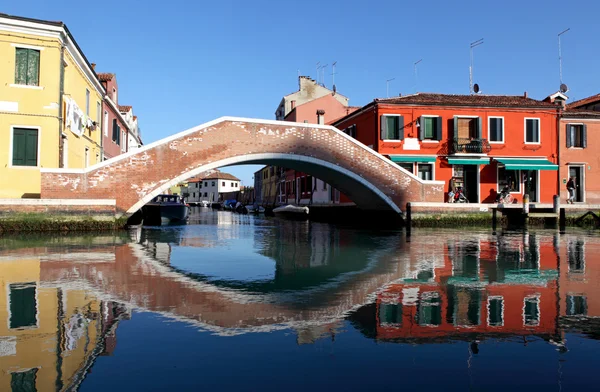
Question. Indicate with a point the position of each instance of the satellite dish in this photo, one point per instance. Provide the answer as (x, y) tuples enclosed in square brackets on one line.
[(563, 88), (476, 88)]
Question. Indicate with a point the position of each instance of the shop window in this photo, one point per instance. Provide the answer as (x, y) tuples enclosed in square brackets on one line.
[(576, 305), (531, 311), (495, 311), (425, 171), (429, 309), (23, 305), (390, 314), (510, 178)]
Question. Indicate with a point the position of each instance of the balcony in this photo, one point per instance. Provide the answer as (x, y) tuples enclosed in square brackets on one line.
[(470, 146)]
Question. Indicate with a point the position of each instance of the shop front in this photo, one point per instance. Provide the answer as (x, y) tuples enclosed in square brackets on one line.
[(535, 177)]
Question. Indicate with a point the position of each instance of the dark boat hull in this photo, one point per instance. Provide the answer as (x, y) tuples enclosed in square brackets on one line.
[(163, 214)]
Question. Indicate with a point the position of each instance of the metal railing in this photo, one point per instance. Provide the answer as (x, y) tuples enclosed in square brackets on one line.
[(470, 146)]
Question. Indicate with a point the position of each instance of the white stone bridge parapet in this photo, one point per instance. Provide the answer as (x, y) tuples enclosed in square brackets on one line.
[(370, 180)]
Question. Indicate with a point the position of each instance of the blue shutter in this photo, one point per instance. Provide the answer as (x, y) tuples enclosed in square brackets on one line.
[(400, 127), (569, 138)]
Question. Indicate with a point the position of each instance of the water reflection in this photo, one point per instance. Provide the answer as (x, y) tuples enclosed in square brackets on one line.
[(66, 296)]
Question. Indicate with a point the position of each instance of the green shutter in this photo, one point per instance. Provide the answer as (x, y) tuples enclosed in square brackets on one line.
[(569, 139), (33, 67), (383, 130), (23, 305), (423, 124), (455, 127), (21, 66), (401, 128), (438, 128), (479, 128), (19, 141), (31, 147)]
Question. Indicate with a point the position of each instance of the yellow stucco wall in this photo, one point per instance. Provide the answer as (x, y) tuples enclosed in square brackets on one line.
[(36, 347), (38, 107)]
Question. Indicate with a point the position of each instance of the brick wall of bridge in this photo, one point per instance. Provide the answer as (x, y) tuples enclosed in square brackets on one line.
[(134, 176)]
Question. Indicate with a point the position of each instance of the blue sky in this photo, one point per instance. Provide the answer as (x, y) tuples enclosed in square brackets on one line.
[(183, 63)]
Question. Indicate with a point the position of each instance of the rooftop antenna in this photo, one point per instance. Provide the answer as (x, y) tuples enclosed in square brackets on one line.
[(298, 78), (473, 45), (387, 86), (333, 74), (323, 77), (560, 57), (416, 75), (318, 62)]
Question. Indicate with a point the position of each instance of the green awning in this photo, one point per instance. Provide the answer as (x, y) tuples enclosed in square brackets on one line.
[(527, 164), (412, 158), (469, 161)]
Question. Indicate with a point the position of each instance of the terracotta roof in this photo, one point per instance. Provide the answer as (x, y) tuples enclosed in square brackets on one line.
[(349, 110), (580, 114), (221, 176), (124, 108), (584, 101), (105, 77), (135, 117), (475, 100)]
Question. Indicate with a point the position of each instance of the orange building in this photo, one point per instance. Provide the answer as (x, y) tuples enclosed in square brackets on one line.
[(478, 142), (579, 134)]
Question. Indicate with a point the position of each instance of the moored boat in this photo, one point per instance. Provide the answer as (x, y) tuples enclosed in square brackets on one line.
[(291, 211), (165, 209)]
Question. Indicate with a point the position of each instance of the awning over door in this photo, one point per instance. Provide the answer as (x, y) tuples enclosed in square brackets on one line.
[(469, 161), (412, 158), (527, 164)]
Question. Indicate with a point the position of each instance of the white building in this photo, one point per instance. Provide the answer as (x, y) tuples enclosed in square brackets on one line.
[(134, 137), (211, 188)]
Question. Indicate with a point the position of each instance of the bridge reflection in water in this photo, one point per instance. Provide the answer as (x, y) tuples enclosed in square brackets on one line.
[(66, 296)]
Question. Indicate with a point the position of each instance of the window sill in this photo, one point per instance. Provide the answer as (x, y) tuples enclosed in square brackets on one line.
[(24, 167), (533, 143), (27, 86), (391, 141), (502, 142), (575, 148), (430, 141)]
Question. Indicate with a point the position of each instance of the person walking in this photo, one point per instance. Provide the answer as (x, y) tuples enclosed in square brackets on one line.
[(571, 189)]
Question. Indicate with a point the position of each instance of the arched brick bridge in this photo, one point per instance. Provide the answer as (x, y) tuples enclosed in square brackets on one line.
[(370, 180)]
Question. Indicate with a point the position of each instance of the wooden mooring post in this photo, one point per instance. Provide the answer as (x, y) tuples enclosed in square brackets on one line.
[(408, 220), (494, 220)]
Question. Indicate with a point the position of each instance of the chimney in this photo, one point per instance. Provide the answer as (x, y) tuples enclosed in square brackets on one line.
[(293, 104), (94, 67), (525, 94), (321, 117)]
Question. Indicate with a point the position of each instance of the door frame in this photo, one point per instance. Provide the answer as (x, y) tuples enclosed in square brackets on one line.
[(478, 179), (581, 167)]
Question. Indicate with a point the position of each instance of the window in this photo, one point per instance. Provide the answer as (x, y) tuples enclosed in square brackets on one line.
[(25, 147), (27, 67), (205, 194), (429, 310), (425, 171), (576, 135), (392, 127), (86, 157), (236, 184), (97, 158), (510, 178), (351, 131), (194, 195), (324, 185), (271, 171), (232, 185), (98, 113), (576, 256), (114, 95), (467, 128), (206, 183), (408, 166), (87, 102), (124, 139), (390, 314), (105, 124), (213, 183), (495, 311), (116, 132), (23, 381), (430, 128), (23, 305), (223, 183), (576, 305), (496, 130), (531, 311), (532, 130)]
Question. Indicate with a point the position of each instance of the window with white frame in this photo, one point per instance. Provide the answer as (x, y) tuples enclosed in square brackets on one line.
[(430, 128), (98, 112), (531, 311), (425, 171), (576, 135), (105, 124), (495, 311), (576, 305), (27, 67), (532, 130), (496, 130), (392, 127), (87, 102)]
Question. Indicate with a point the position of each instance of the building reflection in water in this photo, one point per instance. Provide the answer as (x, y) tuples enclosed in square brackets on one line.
[(64, 301)]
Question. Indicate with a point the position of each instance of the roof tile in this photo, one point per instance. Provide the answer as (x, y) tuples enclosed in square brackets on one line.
[(584, 101), (105, 77), (516, 101)]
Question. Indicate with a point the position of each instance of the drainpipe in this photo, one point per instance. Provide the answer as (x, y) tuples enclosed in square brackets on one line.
[(60, 105), (558, 117)]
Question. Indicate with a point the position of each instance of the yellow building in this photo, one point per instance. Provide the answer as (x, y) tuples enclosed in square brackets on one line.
[(50, 104)]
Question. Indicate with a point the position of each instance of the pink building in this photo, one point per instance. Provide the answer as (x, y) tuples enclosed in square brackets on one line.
[(115, 129)]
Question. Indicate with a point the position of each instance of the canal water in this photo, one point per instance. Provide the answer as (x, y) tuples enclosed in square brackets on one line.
[(244, 303)]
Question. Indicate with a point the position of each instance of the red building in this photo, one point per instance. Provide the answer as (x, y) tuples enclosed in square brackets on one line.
[(479, 142), (114, 126)]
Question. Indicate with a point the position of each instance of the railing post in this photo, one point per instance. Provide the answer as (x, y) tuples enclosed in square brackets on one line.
[(556, 204), (526, 204)]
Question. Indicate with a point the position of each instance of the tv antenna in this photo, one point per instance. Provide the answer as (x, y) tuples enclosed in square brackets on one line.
[(560, 60), (387, 86), (323, 77), (416, 75), (333, 75), (473, 45), (318, 62)]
